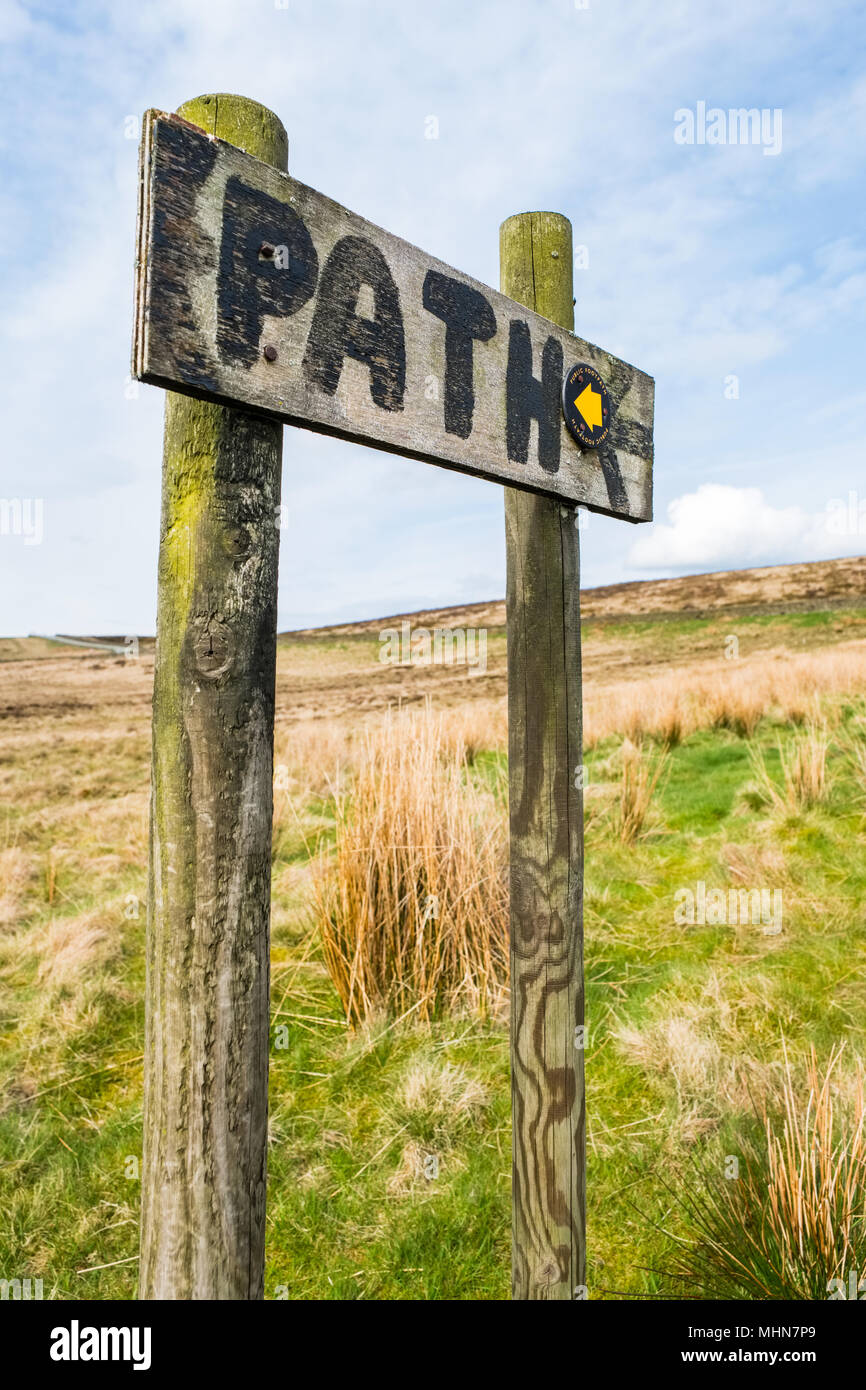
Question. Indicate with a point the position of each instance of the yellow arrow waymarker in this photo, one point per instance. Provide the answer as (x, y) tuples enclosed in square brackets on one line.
[(586, 406), (589, 405)]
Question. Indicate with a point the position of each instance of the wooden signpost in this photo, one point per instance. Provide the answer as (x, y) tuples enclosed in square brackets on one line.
[(260, 301), (545, 794)]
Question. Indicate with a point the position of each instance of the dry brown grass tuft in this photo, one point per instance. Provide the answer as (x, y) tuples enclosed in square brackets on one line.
[(413, 1169), (70, 960), (413, 907), (701, 1046), (754, 863), (437, 1103), (804, 770), (806, 767), (641, 771), (71, 948), (794, 1221), (817, 1190), (736, 705), (442, 1090), (679, 1047)]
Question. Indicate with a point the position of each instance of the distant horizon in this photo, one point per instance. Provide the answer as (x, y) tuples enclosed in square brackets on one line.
[(119, 637)]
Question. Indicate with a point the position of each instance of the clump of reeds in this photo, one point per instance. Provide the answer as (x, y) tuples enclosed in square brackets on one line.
[(804, 770), (794, 1219), (412, 907), (639, 778)]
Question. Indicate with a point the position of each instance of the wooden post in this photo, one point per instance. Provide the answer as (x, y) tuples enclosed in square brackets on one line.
[(546, 811), (206, 1067)]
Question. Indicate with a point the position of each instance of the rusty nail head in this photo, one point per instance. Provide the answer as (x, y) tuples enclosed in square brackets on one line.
[(270, 353), (266, 249)]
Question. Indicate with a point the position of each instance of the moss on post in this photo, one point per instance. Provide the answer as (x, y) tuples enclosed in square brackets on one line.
[(535, 264), (206, 1064), (546, 815), (240, 122)]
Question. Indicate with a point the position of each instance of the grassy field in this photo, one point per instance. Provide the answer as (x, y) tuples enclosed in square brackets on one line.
[(389, 1166)]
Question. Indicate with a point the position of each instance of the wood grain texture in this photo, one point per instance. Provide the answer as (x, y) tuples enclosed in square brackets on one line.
[(206, 1056), (367, 337), (546, 815)]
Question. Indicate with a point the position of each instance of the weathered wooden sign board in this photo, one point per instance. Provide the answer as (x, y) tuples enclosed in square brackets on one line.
[(255, 290)]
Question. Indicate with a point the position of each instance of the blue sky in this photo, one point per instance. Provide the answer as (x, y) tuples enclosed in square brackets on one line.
[(705, 263)]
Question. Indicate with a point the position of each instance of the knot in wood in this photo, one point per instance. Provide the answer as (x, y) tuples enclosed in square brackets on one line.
[(214, 647), (237, 542), (549, 1272)]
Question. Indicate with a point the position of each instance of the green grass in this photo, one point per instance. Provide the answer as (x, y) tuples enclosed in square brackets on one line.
[(682, 1021), (840, 622)]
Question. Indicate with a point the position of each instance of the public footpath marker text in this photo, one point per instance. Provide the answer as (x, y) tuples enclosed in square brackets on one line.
[(258, 301)]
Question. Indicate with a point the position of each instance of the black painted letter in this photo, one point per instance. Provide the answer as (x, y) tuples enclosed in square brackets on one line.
[(528, 399), (467, 316), (337, 332), (251, 285)]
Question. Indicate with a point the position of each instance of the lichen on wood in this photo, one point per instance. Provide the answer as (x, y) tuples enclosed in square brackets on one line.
[(205, 1107)]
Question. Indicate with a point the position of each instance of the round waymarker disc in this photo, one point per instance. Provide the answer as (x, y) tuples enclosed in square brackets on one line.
[(586, 406)]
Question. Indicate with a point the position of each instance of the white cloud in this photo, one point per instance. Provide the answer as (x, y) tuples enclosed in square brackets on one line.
[(720, 527)]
